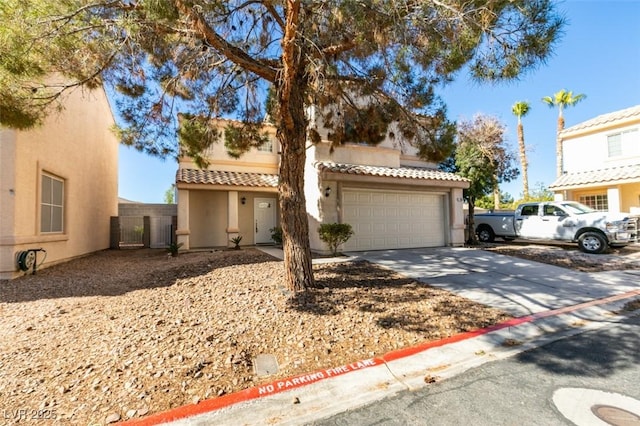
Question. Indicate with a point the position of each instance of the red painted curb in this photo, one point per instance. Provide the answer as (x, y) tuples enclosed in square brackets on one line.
[(253, 393), (320, 375)]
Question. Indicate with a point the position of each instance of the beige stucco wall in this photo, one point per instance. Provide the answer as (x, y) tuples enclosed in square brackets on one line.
[(207, 219), (589, 151), (630, 197), (254, 161), (79, 147), (356, 154)]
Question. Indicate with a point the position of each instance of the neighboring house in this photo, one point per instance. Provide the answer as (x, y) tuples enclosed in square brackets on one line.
[(602, 162), (59, 184), (390, 197)]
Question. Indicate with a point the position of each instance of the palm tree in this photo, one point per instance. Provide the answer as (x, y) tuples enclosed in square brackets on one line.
[(520, 109), (561, 99)]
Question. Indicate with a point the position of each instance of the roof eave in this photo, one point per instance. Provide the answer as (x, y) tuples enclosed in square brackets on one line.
[(349, 177)]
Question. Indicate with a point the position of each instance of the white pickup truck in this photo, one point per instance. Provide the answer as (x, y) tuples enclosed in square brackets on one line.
[(593, 230)]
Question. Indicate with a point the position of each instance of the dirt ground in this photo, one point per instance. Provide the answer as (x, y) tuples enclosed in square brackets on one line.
[(124, 334)]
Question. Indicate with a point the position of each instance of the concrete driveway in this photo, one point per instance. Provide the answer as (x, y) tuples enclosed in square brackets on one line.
[(517, 286)]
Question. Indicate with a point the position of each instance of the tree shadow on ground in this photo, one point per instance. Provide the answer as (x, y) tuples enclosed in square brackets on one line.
[(116, 272), (394, 301)]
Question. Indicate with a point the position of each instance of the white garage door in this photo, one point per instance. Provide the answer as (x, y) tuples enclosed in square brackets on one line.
[(393, 219)]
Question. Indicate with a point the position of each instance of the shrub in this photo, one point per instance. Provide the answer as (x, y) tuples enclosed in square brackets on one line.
[(335, 234), (236, 242), (276, 235), (173, 249)]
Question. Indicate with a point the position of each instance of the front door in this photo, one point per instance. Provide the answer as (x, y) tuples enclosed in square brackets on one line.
[(264, 214)]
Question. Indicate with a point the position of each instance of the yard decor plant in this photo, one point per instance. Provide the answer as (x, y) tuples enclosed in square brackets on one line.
[(236, 242), (276, 235), (173, 249), (335, 234)]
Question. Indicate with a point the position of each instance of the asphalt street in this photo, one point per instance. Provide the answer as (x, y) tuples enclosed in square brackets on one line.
[(596, 370)]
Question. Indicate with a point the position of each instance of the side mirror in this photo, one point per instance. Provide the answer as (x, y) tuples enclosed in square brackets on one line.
[(559, 213)]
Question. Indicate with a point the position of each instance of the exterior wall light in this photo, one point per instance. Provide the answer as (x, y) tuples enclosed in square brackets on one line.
[(243, 200), (327, 191)]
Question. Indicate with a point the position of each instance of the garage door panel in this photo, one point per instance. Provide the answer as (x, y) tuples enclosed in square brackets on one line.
[(404, 227), (393, 219)]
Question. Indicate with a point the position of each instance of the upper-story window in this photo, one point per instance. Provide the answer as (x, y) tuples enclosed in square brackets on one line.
[(266, 147), (51, 204), (623, 143)]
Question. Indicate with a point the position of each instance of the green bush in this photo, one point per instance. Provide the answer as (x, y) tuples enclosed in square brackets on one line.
[(173, 249), (236, 242), (276, 235), (335, 234)]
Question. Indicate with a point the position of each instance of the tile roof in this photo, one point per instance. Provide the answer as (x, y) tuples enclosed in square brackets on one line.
[(594, 177), (394, 172), (219, 177), (601, 120)]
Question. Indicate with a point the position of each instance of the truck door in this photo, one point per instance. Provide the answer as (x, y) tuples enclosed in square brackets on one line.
[(528, 221), (551, 222), (554, 221)]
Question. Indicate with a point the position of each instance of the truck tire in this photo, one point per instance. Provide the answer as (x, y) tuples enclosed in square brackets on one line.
[(592, 242), (485, 234)]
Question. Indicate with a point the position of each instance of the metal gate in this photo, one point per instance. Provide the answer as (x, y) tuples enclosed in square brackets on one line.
[(131, 231), (161, 230)]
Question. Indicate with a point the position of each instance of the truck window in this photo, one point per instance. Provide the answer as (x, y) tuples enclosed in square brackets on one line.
[(553, 211), (529, 210), (577, 208)]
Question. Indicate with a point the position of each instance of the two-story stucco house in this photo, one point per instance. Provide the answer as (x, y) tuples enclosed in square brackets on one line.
[(59, 184), (602, 162), (391, 198)]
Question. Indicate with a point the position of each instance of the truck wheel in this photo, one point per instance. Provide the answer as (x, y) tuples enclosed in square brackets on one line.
[(485, 234), (592, 242)]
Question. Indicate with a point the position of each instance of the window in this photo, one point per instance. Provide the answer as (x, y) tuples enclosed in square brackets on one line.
[(614, 145), (623, 143), (531, 210), (52, 204), (550, 210), (266, 147), (596, 202)]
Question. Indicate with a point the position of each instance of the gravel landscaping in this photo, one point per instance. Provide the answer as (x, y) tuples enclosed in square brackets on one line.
[(124, 334)]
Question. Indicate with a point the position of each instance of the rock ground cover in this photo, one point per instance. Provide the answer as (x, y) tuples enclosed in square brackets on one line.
[(123, 334)]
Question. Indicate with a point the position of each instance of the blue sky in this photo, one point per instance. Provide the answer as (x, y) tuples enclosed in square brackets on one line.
[(599, 56)]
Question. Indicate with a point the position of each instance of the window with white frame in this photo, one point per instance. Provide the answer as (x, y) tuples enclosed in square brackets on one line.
[(266, 147), (623, 143), (596, 202), (614, 145), (51, 204)]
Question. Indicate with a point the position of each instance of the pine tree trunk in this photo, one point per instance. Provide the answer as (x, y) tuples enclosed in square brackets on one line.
[(293, 213), (292, 127), (523, 162)]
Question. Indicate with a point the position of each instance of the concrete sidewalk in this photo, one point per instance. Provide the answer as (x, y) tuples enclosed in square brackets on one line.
[(550, 302)]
